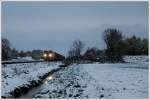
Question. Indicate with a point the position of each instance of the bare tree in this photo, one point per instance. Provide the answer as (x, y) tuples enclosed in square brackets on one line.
[(71, 53), (92, 53), (15, 53), (76, 49), (6, 50), (145, 46)]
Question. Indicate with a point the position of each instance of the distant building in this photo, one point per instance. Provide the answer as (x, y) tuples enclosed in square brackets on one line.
[(36, 54)]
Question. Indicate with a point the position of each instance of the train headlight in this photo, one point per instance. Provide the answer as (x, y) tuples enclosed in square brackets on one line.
[(44, 55), (49, 78), (50, 55)]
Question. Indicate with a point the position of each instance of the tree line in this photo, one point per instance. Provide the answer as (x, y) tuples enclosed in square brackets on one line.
[(9, 53), (116, 47)]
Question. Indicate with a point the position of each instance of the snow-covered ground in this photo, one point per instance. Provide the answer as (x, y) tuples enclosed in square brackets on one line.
[(70, 82), (96, 80), (22, 59), (119, 80), (14, 75), (136, 59), (25, 58)]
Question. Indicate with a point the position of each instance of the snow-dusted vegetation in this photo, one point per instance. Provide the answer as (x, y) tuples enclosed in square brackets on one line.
[(17, 75), (93, 80), (136, 59), (119, 80)]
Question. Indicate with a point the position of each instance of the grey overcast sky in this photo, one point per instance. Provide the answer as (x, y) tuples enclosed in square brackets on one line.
[(54, 25)]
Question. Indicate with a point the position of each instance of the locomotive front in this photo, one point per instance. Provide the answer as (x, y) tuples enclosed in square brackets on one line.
[(48, 55)]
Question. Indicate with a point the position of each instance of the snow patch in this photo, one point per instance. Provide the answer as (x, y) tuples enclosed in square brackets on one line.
[(14, 75)]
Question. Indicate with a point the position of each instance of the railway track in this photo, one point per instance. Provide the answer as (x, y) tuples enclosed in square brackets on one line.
[(16, 62)]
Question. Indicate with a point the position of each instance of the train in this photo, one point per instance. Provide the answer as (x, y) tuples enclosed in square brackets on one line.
[(52, 56)]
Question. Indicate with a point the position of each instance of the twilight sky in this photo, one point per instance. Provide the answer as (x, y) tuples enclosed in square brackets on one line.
[(54, 25)]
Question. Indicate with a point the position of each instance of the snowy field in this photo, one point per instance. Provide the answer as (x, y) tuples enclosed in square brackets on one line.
[(109, 81), (96, 80), (136, 59), (120, 80), (14, 75)]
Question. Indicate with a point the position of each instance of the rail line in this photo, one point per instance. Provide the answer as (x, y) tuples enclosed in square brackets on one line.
[(16, 62)]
